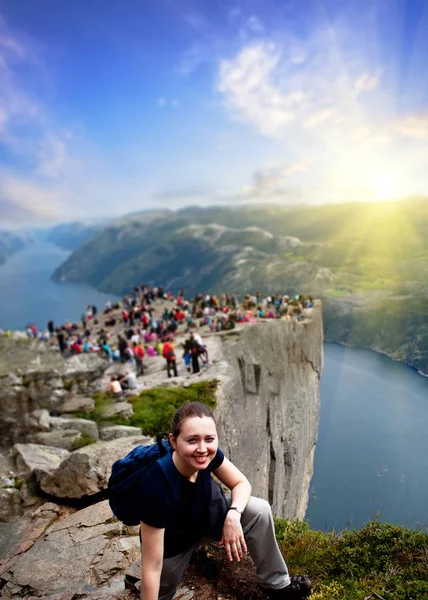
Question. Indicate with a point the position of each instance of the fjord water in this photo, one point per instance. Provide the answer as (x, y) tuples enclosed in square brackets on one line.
[(28, 295), (371, 460), (372, 451)]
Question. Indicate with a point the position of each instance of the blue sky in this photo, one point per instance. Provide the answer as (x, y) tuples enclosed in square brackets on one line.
[(108, 107)]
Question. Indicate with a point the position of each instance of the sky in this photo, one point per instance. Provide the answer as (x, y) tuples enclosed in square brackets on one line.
[(109, 107)]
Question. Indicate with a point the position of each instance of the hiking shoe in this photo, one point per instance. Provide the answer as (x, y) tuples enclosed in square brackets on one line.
[(300, 587)]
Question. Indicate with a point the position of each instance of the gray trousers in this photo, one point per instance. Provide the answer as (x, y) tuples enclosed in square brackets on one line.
[(259, 533)]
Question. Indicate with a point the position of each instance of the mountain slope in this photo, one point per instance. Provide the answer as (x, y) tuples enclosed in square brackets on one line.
[(11, 242), (368, 262)]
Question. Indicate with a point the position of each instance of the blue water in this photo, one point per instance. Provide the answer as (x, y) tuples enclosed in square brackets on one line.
[(372, 451), (27, 294)]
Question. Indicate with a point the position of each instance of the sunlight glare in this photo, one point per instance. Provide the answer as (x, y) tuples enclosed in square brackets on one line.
[(385, 186)]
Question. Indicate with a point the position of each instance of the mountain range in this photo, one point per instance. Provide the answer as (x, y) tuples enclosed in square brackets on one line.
[(368, 262), (11, 242)]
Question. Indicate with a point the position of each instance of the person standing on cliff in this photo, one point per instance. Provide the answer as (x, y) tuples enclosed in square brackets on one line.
[(168, 353), (178, 512), (60, 336), (138, 356), (51, 328)]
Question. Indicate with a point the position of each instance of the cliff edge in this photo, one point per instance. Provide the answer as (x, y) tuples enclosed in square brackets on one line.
[(269, 404)]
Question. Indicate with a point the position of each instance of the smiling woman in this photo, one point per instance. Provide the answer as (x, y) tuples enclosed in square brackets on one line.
[(181, 509)]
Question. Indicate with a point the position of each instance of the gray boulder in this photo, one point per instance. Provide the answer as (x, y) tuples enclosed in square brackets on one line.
[(113, 432), (35, 458), (38, 420), (59, 439), (82, 554), (85, 426), (79, 403), (86, 471), (118, 409)]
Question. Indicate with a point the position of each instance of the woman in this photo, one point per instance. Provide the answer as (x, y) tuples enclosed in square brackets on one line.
[(170, 528)]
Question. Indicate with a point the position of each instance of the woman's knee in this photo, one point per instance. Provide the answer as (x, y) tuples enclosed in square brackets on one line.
[(258, 507)]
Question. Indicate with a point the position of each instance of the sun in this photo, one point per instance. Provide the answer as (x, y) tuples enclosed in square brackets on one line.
[(385, 187)]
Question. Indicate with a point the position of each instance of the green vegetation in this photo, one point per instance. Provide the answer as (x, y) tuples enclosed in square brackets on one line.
[(68, 384), (380, 558), (155, 408), (293, 257), (82, 440)]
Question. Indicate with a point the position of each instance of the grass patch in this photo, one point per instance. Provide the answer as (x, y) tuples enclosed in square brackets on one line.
[(380, 558), (155, 408), (82, 414), (81, 441), (290, 256)]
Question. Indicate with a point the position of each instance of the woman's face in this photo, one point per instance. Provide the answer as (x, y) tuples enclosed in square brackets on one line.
[(196, 445)]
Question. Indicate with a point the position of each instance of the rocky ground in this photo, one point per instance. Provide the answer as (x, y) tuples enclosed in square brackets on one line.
[(59, 539)]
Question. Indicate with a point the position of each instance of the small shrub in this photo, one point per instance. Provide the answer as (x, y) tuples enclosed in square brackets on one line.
[(81, 414), (81, 441), (380, 558), (68, 384)]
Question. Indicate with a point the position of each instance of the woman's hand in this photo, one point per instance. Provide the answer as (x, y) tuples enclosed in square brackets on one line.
[(233, 536)]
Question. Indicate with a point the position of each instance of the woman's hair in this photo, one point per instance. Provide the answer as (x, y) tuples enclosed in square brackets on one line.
[(187, 411)]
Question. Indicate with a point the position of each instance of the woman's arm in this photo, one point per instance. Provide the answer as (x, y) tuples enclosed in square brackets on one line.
[(152, 559), (233, 536)]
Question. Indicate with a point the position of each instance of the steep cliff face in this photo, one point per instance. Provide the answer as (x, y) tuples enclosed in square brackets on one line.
[(268, 406)]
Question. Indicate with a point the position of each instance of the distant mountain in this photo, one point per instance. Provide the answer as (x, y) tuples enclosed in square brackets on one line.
[(174, 249), (369, 262), (11, 242), (70, 236)]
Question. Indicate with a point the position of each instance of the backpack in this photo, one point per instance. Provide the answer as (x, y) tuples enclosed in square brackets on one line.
[(126, 474), (168, 352)]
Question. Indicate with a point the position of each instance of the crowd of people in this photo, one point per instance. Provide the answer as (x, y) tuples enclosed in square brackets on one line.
[(135, 328)]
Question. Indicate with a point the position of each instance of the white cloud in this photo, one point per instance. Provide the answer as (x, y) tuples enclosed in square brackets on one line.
[(41, 200), (319, 116), (414, 127), (367, 82), (250, 93), (54, 158)]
